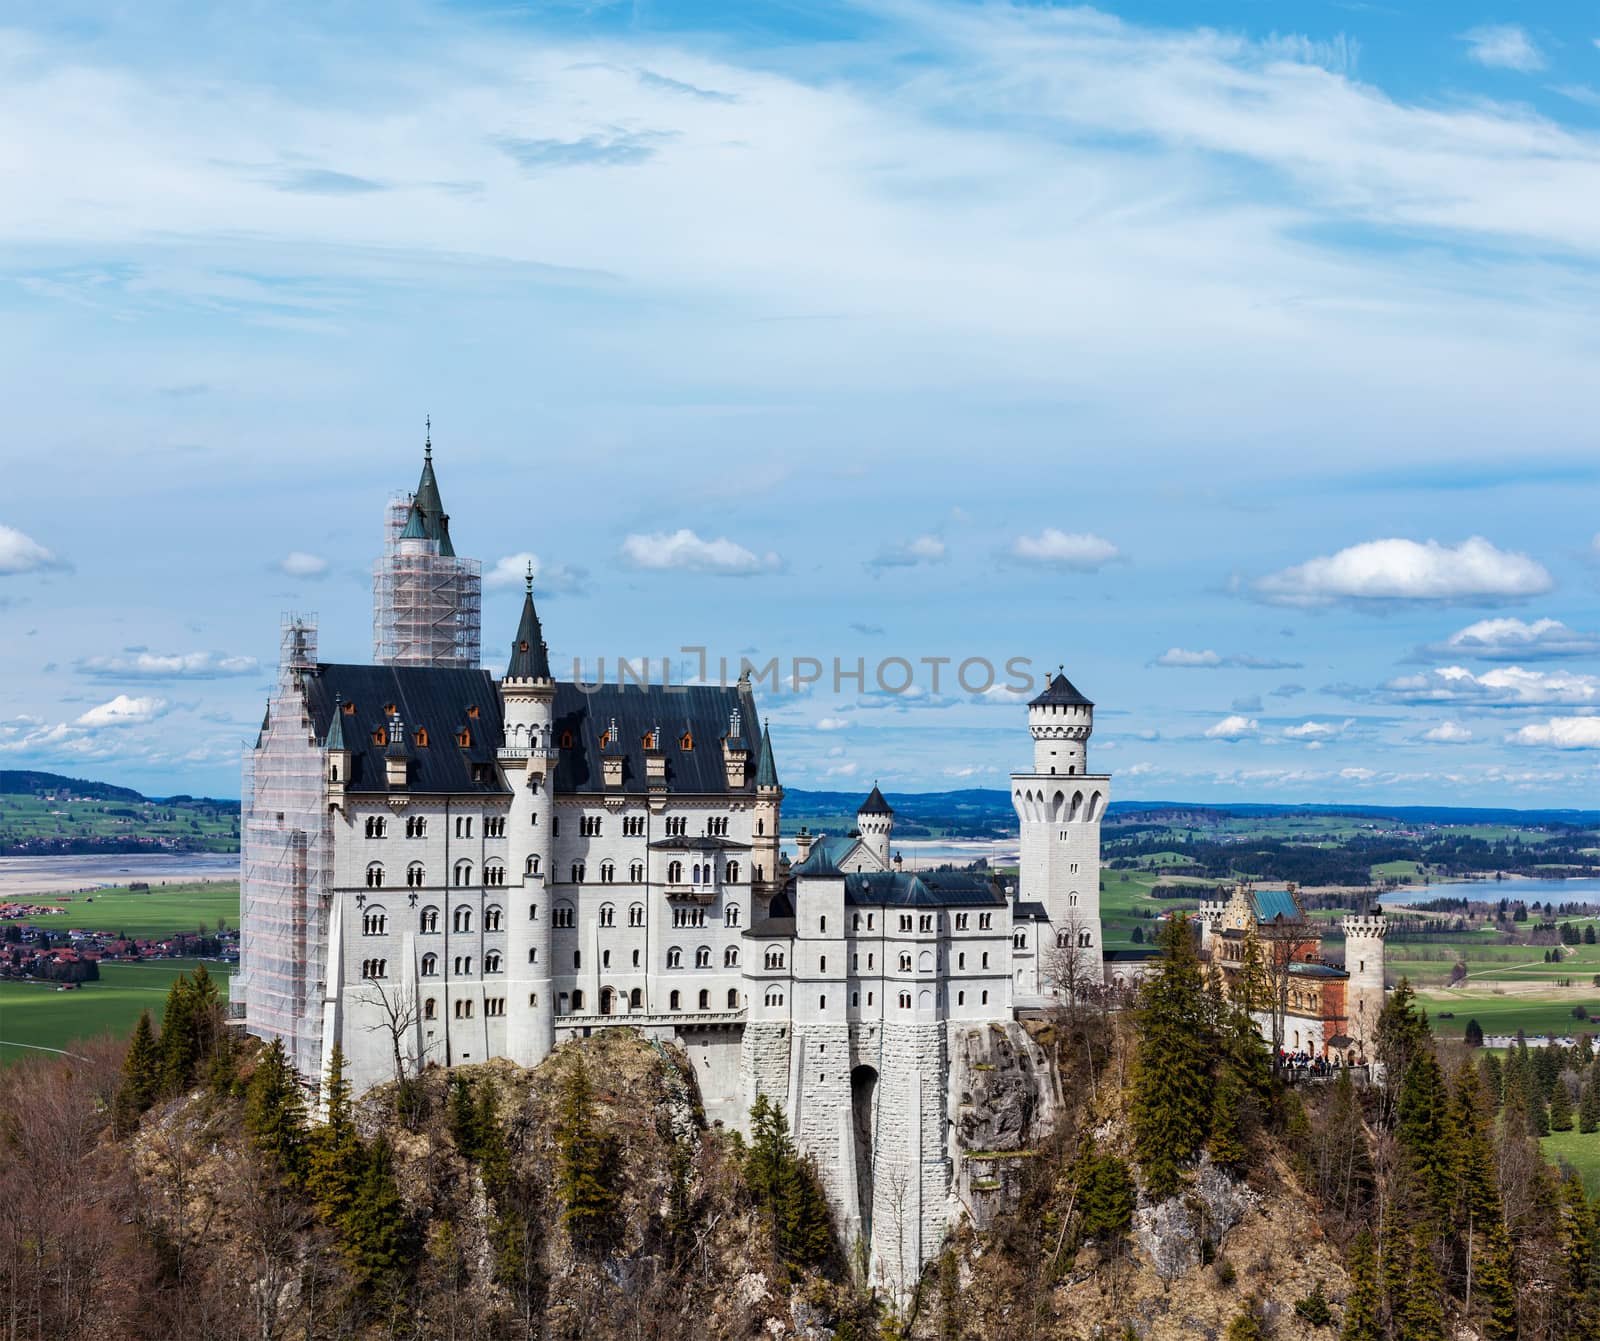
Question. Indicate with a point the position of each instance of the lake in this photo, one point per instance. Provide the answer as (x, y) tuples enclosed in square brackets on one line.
[(1492, 891), (21, 876)]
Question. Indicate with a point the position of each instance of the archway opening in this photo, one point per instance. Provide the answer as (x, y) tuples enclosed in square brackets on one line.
[(863, 1104)]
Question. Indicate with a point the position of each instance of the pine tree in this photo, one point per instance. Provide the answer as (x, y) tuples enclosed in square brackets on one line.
[(1422, 1134), (335, 1159), (1474, 1034), (179, 1050), (1402, 1032), (805, 1230), (1226, 1145), (1492, 1073), (141, 1075), (1421, 1316), (1172, 1087), (1494, 1285), (1560, 1107), (1470, 1153), (1106, 1195), (1396, 1268), (374, 1230), (275, 1113), (1589, 1106), (1361, 1322), (584, 1167), (463, 1116)]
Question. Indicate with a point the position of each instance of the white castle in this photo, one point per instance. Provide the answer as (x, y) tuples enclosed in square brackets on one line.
[(440, 867)]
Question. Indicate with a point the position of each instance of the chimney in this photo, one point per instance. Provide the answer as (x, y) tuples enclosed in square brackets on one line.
[(802, 843)]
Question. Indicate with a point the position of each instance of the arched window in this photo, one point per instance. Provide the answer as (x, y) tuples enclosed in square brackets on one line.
[(377, 826), (674, 958), (494, 874), (636, 871), (493, 917), (532, 868), (461, 919), (774, 957), (636, 999), (608, 915), (733, 998), (563, 916), (730, 915), (675, 1001), (961, 960), (417, 826), (732, 875), (375, 875), (674, 872), (374, 921), (905, 963), (577, 1001), (761, 827), (1019, 940), (925, 962), (430, 965), (1063, 939), (905, 1000), (491, 962), (636, 915), (533, 954), (430, 919), (416, 875), (961, 998), (577, 872), (702, 957), (430, 1009), (463, 873), (705, 998), (608, 872), (730, 957), (774, 997)]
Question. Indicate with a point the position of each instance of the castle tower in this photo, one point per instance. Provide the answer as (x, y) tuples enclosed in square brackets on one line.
[(875, 821), (528, 757), (1059, 807), (768, 817), (1364, 935), (427, 602)]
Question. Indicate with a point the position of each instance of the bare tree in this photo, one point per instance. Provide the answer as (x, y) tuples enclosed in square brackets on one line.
[(1069, 963), (399, 1011)]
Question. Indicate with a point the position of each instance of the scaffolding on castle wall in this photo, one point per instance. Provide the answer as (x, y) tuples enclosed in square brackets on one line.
[(285, 862), (427, 608)]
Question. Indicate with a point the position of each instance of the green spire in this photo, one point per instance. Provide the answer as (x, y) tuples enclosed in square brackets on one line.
[(415, 530), (530, 659), (766, 769), (266, 723), (335, 740), (426, 503)]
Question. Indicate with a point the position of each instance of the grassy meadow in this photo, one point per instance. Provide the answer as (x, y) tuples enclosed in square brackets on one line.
[(159, 911), (37, 1015), (1580, 1151)]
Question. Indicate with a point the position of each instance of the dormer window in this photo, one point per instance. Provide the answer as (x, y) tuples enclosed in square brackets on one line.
[(463, 738), (472, 710), (389, 710), (380, 736), (566, 740), (422, 735), (686, 743), (349, 709)]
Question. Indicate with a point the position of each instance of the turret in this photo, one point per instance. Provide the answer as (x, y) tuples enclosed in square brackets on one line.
[(768, 814), (1364, 935), (528, 758), (875, 821), (397, 754), (1060, 721), (337, 756), (735, 750)]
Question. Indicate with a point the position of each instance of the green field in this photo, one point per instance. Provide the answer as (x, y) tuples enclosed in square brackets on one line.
[(159, 911), (1582, 1152), (36, 1015), (1536, 1013), (182, 826)]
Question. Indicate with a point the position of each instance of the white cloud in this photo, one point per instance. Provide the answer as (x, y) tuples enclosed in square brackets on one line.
[(1138, 770), (1183, 658), (297, 563), (1514, 640), (1080, 552), (832, 723), (1561, 733), (124, 711), (21, 553), (1503, 46), (685, 551), (166, 666), (511, 570), (1234, 727), (1314, 730), (1502, 687), (1403, 570), (1447, 733), (912, 553)]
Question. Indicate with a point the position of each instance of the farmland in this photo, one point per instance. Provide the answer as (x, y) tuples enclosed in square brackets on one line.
[(36, 1015), (148, 914)]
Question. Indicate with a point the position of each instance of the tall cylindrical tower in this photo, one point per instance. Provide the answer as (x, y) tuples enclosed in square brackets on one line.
[(875, 822), (1363, 960), (528, 695), (1061, 720)]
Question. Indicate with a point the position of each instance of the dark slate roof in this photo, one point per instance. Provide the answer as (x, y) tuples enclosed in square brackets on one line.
[(1061, 693), (826, 854), (700, 711), (875, 804), (530, 659), (766, 768), (1033, 912), (426, 501), (903, 889), (1299, 970), (683, 843), (433, 698), (1273, 903)]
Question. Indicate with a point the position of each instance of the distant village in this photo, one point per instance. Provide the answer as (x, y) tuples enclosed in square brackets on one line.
[(29, 949)]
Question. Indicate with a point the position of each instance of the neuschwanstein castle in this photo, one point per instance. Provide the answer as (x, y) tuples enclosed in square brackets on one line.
[(441, 867)]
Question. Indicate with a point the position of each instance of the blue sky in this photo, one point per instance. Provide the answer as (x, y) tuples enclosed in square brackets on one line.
[(1240, 357)]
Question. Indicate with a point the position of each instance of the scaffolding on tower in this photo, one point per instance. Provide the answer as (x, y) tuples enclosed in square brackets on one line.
[(427, 606), (285, 859)]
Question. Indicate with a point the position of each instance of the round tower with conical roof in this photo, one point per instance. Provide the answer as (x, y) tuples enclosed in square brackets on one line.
[(875, 823), (528, 758), (1061, 720)]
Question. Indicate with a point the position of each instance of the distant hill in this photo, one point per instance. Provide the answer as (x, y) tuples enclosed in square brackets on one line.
[(15, 783), (47, 813)]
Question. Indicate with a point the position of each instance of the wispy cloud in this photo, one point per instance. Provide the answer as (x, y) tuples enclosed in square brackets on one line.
[(21, 553), (166, 666), (1503, 46), (666, 84), (324, 182), (1446, 733), (1184, 659), (298, 563), (1077, 552), (1507, 639), (1234, 727), (685, 551), (1379, 571), (616, 148), (924, 549), (1503, 687), (511, 570)]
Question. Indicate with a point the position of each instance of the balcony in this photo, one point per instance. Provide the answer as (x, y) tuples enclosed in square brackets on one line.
[(692, 893)]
